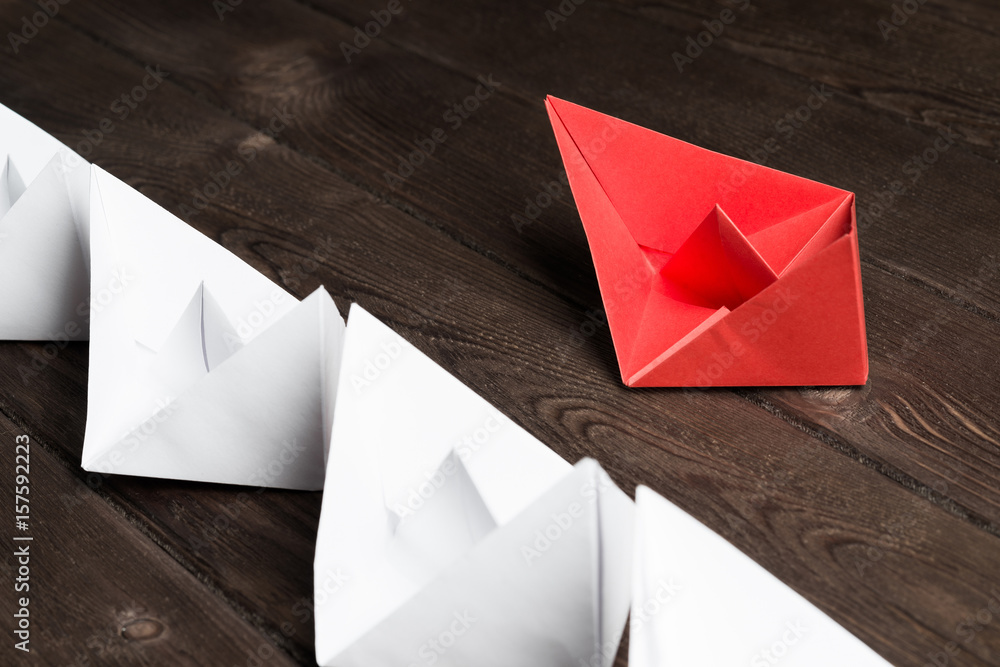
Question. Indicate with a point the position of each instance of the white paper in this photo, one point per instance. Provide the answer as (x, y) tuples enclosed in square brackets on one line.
[(449, 535), (43, 274), (28, 146), (699, 601), (43, 279), (200, 367), (428, 551)]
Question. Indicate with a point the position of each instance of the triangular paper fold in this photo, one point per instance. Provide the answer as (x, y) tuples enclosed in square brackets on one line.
[(449, 535), (718, 263), (528, 594), (690, 584), (11, 184), (200, 367), (164, 261), (448, 452), (435, 529), (43, 273), (690, 247), (255, 419)]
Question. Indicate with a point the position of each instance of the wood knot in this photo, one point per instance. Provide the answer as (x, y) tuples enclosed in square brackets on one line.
[(142, 629), (828, 395), (843, 402)]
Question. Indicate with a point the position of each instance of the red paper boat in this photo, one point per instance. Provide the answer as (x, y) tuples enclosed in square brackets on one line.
[(714, 271)]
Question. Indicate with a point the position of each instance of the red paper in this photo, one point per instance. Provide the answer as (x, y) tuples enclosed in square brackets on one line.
[(714, 271)]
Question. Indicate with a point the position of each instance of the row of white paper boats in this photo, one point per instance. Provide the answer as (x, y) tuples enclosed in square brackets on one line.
[(448, 534)]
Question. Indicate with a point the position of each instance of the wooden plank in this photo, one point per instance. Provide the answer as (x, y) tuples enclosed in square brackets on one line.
[(255, 545), (607, 56), (815, 517), (383, 100), (935, 73), (916, 81), (930, 407), (100, 592)]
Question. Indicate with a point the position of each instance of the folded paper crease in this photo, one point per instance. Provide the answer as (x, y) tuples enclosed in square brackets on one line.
[(689, 584), (469, 490), (200, 367), (692, 249), (448, 534)]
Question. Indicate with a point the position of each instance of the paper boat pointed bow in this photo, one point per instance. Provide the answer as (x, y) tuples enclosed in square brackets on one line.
[(714, 271)]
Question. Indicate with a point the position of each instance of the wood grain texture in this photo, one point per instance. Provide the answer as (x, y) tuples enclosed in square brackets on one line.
[(439, 260), (384, 101), (101, 591)]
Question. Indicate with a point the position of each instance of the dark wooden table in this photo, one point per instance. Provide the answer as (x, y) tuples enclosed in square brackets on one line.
[(880, 504)]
